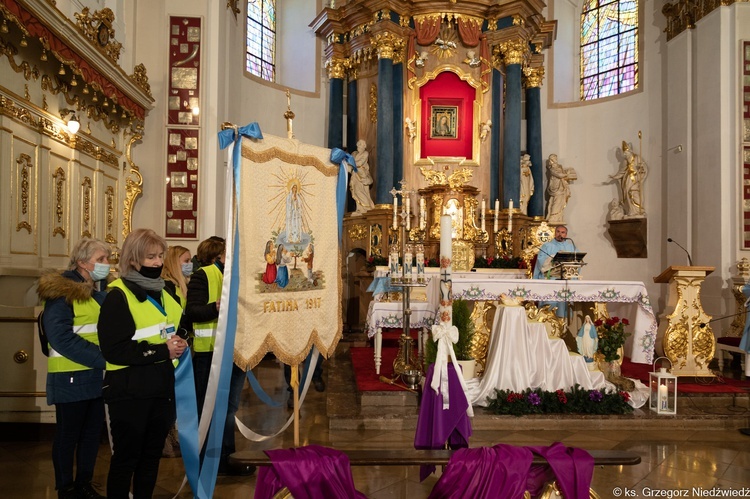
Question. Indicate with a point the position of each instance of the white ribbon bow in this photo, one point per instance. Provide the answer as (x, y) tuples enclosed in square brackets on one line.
[(445, 336)]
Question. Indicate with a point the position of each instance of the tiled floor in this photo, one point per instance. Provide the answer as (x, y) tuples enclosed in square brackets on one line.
[(671, 458)]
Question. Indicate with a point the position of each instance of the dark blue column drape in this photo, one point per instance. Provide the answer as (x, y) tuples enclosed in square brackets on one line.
[(512, 135), (384, 176)]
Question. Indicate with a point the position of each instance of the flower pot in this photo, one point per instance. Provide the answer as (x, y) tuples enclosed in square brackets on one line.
[(468, 368)]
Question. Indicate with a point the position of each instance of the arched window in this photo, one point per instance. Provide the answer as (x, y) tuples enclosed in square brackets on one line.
[(609, 48), (261, 39)]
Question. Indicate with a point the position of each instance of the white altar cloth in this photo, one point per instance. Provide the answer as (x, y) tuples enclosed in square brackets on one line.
[(521, 355), (628, 299)]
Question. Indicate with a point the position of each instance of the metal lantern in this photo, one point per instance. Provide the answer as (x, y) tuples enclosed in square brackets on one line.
[(663, 386)]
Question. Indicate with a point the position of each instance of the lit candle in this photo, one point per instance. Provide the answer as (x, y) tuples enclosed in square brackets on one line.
[(510, 217), (483, 213), (497, 214), (422, 214), (663, 397), (408, 212), (395, 212)]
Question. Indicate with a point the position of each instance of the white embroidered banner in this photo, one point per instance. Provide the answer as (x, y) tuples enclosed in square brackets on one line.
[(289, 295)]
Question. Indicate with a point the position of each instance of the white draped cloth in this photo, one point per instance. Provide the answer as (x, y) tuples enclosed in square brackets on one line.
[(521, 355)]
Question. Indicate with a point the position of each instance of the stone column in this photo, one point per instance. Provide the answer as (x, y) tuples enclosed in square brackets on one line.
[(385, 44), (533, 78), (352, 116), (398, 120), (497, 119), (514, 53), (336, 72)]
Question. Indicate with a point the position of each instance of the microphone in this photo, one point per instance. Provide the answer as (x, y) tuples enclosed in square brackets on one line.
[(575, 249), (690, 259)]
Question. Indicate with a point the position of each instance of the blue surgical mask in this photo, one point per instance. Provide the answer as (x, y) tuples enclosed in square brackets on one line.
[(187, 269), (101, 271)]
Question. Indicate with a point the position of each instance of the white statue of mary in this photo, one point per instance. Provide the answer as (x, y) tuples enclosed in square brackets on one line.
[(293, 216)]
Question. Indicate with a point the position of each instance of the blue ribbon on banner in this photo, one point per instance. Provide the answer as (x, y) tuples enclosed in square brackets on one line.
[(341, 158), (187, 416)]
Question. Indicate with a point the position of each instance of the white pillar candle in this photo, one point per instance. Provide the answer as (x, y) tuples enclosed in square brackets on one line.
[(408, 269), (663, 400), (420, 262), (510, 217), (445, 310), (408, 212), (395, 212), (497, 214)]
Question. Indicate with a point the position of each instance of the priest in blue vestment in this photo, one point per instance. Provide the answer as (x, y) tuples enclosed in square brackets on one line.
[(544, 262)]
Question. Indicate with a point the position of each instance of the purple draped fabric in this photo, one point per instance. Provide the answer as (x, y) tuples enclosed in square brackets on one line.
[(436, 426), (498, 471), (312, 472), (506, 471)]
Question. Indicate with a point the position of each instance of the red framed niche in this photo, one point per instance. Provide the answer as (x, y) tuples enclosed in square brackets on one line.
[(447, 91)]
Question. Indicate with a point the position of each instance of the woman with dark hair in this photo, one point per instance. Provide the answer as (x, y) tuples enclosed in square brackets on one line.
[(137, 332), (75, 366)]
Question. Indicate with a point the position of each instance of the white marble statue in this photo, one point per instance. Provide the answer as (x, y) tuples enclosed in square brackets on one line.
[(471, 59), (558, 190), (615, 210), (360, 182), (630, 176), (527, 184)]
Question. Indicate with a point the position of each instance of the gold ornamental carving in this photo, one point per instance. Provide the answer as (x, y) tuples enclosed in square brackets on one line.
[(357, 232), (688, 339), (109, 196), (533, 77), (86, 207), (337, 68), (433, 177), (437, 211), (386, 44), (140, 78), (59, 180), (514, 51), (481, 316), (683, 14), (546, 315), (373, 107), (97, 27), (10, 51), (133, 187), (738, 324), (376, 240), (463, 255), (459, 178), (25, 165)]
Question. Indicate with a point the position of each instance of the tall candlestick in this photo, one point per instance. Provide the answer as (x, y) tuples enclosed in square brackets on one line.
[(497, 214), (510, 217), (482, 217), (408, 212), (395, 212), (422, 214)]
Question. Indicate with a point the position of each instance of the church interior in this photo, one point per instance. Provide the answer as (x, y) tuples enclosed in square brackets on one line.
[(625, 122)]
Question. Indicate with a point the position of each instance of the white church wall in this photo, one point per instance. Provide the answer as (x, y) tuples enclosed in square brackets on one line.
[(588, 137)]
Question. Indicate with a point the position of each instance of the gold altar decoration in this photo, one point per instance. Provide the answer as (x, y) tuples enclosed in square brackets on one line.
[(98, 29), (376, 240), (463, 256), (373, 107), (546, 315), (738, 324), (514, 51), (481, 316), (531, 241), (133, 188), (683, 14), (357, 232), (59, 181), (687, 338), (533, 77)]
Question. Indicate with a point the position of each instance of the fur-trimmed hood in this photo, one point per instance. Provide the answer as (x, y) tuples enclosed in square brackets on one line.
[(56, 285)]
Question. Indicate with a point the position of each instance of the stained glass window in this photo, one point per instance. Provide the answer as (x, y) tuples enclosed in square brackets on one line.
[(609, 47), (261, 39)]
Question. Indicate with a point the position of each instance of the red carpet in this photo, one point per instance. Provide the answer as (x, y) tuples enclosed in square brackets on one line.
[(687, 384), (363, 364)]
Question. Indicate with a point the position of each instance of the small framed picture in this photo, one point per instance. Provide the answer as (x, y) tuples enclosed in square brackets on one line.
[(181, 155), (179, 179), (191, 142), (189, 226), (192, 164), (185, 117), (172, 158), (444, 122), (175, 139), (174, 226), (193, 34), (174, 102), (182, 201)]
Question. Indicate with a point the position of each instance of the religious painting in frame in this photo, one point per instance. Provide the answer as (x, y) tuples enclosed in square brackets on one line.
[(444, 122)]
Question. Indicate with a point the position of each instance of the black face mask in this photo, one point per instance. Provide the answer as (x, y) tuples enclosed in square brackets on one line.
[(220, 265), (151, 272)]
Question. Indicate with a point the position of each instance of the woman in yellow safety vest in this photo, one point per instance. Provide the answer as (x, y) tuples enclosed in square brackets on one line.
[(75, 364), (137, 333)]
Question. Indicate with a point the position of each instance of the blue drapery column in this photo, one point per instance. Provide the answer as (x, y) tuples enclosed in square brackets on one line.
[(533, 82), (398, 119), (497, 120), (336, 73), (513, 53), (384, 178)]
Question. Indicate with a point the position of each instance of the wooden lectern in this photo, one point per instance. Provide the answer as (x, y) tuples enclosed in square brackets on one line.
[(687, 344)]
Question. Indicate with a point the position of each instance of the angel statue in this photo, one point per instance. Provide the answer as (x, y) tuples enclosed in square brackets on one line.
[(631, 175), (558, 189), (419, 61), (527, 183), (484, 129), (471, 59), (411, 128)]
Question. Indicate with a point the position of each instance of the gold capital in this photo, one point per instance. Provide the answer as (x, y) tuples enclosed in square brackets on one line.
[(337, 67), (386, 44), (514, 51), (533, 77)]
